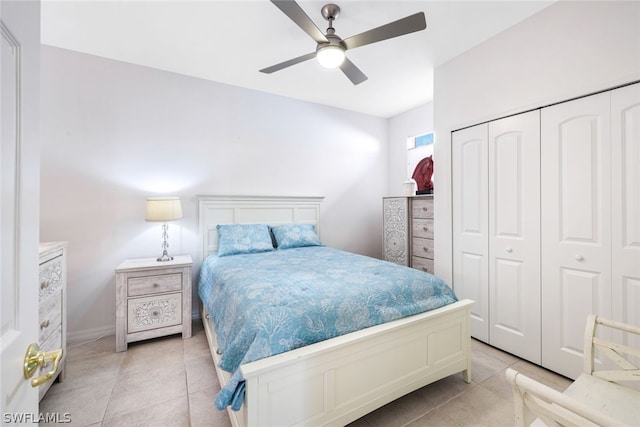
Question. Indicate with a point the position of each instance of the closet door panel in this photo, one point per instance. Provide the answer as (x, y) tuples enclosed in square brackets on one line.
[(576, 226), (514, 234), (625, 160), (470, 226)]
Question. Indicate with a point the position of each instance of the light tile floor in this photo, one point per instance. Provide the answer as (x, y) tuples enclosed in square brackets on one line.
[(171, 382)]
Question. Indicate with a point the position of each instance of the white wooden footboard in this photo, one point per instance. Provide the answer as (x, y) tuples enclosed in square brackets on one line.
[(339, 380)]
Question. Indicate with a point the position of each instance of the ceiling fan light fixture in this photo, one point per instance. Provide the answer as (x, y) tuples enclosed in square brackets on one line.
[(330, 56)]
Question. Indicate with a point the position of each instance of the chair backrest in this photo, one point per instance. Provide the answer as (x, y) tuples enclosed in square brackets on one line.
[(619, 354)]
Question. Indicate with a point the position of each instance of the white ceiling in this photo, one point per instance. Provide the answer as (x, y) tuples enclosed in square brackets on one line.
[(229, 41)]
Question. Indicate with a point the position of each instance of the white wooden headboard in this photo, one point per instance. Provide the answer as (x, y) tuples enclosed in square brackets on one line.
[(272, 210)]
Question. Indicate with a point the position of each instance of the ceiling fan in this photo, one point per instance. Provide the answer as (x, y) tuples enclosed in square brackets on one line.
[(330, 49)]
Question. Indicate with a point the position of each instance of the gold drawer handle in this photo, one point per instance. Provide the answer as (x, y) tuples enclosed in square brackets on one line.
[(44, 324), (34, 358)]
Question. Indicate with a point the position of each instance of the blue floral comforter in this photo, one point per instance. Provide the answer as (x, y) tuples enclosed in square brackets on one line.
[(268, 303)]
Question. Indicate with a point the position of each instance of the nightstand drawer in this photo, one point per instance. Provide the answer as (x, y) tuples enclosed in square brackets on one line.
[(154, 284), (154, 312)]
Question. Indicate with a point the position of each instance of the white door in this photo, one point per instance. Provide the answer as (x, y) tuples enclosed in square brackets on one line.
[(625, 179), (514, 234), (576, 226), (470, 223), (18, 217)]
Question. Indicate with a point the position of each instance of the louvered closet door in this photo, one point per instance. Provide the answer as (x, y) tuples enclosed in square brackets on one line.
[(470, 224), (625, 177), (514, 234), (576, 226)]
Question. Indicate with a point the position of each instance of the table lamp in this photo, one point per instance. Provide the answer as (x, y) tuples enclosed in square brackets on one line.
[(164, 209)]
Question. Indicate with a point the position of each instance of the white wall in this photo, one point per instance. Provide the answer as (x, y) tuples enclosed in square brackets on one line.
[(569, 49), (411, 123), (115, 133)]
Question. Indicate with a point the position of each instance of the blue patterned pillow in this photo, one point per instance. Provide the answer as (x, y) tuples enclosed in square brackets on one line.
[(243, 239), (295, 236)]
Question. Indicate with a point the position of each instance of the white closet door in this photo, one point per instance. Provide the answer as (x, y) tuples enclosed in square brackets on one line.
[(625, 233), (514, 234), (470, 224), (576, 226)]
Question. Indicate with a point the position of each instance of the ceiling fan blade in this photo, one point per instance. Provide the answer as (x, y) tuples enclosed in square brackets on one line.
[(297, 15), (352, 72), (410, 24), (288, 63)]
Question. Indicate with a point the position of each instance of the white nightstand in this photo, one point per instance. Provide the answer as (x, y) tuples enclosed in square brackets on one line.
[(153, 299)]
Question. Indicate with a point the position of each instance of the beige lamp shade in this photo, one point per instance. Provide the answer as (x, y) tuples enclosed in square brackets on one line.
[(163, 208)]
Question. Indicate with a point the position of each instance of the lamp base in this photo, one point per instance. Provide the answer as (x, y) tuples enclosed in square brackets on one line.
[(164, 257)]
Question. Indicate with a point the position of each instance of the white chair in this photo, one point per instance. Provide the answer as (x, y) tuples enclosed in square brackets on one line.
[(595, 398)]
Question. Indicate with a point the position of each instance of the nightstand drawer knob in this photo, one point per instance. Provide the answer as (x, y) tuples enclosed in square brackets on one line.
[(44, 324)]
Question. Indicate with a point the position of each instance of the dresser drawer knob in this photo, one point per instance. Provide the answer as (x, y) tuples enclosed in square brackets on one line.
[(425, 249), (425, 228), (44, 324), (509, 250), (579, 258), (424, 208), (44, 284), (155, 285)]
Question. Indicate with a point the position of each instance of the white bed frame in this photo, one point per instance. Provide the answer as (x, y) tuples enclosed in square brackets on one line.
[(336, 381)]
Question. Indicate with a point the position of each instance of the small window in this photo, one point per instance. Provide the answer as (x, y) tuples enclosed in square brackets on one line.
[(418, 147)]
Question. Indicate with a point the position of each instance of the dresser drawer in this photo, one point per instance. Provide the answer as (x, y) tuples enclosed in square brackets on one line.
[(422, 248), (154, 312), (137, 286), (50, 315), (50, 277), (422, 208), (424, 264), (422, 228)]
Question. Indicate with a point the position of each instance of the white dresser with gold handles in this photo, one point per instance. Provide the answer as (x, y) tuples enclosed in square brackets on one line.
[(52, 309)]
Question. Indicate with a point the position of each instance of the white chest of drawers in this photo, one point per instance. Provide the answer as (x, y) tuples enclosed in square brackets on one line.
[(52, 307), (153, 299), (422, 233), (408, 231)]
